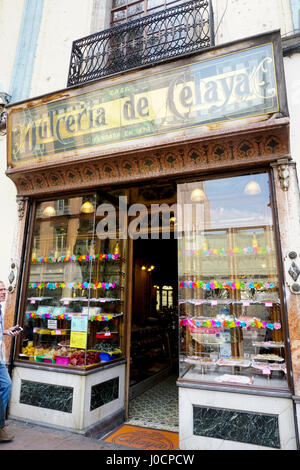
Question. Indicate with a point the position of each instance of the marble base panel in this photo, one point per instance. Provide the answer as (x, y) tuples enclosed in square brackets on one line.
[(75, 402), (216, 420), (297, 411)]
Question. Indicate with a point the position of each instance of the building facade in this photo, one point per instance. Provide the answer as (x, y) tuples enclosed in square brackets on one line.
[(161, 101)]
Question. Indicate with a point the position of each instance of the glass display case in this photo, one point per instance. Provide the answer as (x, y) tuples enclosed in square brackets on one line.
[(74, 315), (231, 327)]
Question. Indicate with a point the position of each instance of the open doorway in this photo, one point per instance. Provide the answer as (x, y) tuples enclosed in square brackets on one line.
[(153, 394)]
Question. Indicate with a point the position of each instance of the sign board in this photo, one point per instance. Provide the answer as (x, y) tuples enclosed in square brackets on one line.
[(219, 88), (78, 339), (79, 328), (79, 323)]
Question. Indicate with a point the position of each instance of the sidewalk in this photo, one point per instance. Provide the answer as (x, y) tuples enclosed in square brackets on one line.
[(34, 437)]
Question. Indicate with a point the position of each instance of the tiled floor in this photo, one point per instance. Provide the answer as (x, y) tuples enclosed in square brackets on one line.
[(157, 407)]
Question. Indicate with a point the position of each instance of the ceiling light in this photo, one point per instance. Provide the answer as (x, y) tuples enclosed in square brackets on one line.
[(49, 211), (198, 195), (252, 188), (87, 208)]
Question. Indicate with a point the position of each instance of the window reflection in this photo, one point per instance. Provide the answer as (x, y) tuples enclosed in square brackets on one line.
[(230, 314), (75, 295)]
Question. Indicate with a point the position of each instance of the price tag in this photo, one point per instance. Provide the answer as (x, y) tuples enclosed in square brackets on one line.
[(268, 304), (52, 324), (266, 371), (33, 301), (214, 302), (106, 334), (66, 302), (246, 303)]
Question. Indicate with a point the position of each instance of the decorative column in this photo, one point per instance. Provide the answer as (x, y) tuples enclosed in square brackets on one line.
[(288, 207), (13, 278)]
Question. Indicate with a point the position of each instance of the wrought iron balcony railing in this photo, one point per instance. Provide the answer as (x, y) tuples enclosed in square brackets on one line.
[(174, 32)]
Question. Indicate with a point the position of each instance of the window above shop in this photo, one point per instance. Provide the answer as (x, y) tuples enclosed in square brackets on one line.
[(126, 10), (295, 5), (143, 33)]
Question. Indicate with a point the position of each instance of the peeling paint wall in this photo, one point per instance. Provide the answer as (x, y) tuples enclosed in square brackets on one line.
[(292, 68), (63, 22), (237, 19)]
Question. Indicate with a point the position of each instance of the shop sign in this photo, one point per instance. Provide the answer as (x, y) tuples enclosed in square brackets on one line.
[(224, 88)]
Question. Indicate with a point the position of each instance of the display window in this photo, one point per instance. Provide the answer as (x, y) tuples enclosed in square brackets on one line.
[(74, 308), (231, 321)]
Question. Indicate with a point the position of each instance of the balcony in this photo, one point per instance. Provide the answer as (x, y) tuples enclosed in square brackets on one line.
[(174, 32)]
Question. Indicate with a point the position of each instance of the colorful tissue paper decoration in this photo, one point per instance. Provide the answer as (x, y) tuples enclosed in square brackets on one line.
[(253, 323), (64, 259), (61, 316), (67, 316), (72, 285), (230, 252), (225, 285)]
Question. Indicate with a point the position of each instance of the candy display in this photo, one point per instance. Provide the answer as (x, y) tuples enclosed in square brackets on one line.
[(65, 259), (229, 285), (233, 323), (71, 307), (228, 252), (72, 285)]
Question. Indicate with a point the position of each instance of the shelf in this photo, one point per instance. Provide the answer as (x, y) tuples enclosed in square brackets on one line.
[(234, 362), (208, 322), (198, 361), (86, 299), (268, 344), (68, 316), (244, 363), (45, 331), (199, 302), (268, 357), (110, 335)]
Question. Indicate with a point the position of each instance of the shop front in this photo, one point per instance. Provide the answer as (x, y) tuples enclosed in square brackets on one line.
[(154, 209)]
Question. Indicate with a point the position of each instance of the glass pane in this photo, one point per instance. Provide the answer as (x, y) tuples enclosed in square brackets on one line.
[(107, 306), (135, 9), (155, 3), (74, 311), (230, 315), (119, 15), (118, 3)]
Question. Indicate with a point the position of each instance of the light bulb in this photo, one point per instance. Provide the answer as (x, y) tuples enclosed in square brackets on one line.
[(254, 241), (252, 188), (49, 211), (87, 207), (198, 195), (117, 249)]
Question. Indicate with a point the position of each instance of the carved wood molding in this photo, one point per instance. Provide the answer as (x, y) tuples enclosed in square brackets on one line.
[(227, 152)]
